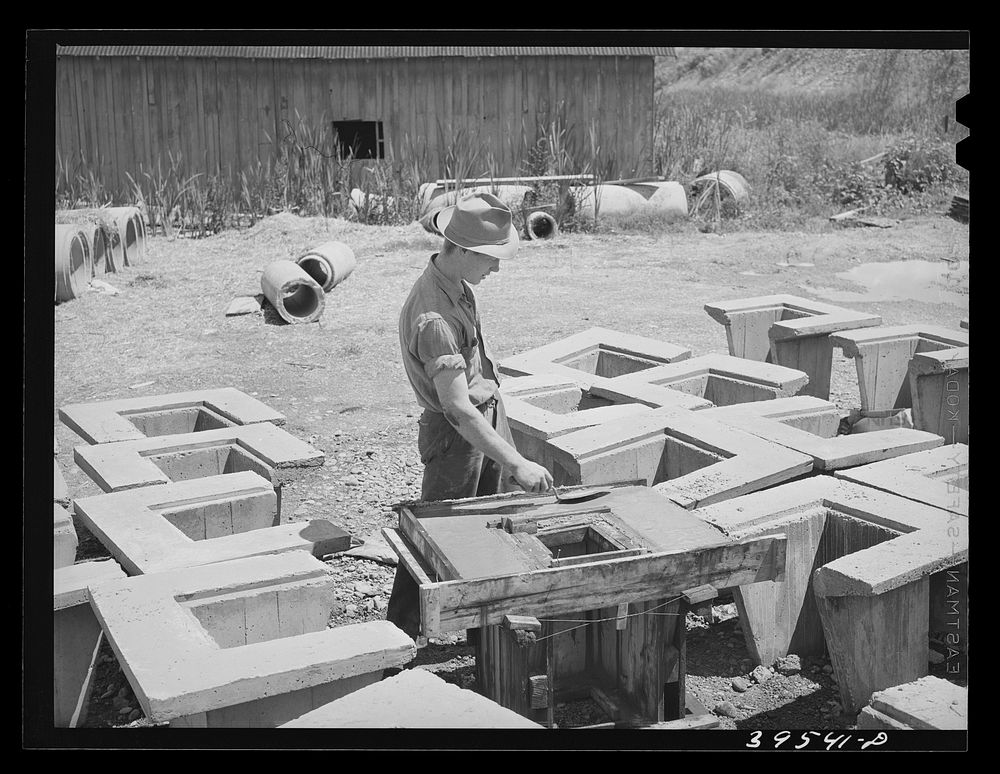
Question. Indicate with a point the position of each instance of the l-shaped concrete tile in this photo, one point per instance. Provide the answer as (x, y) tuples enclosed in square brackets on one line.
[(840, 451), (213, 637), (688, 458), (938, 477), (131, 419), (263, 448), (202, 521), (595, 352)]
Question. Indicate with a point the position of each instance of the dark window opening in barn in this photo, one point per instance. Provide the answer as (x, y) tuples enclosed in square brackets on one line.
[(360, 139)]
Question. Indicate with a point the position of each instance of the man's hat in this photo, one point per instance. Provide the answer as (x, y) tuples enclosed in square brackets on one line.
[(480, 222)]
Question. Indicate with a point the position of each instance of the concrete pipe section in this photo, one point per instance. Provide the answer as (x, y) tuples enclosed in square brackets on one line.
[(74, 266), (131, 230), (296, 296), (329, 264), (541, 225), (104, 259)]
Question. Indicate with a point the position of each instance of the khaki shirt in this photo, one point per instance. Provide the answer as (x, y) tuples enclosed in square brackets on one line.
[(439, 329)]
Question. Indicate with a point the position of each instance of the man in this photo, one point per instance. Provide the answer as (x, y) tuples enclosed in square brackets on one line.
[(463, 439)]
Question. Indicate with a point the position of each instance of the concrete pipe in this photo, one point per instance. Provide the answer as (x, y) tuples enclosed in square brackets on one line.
[(609, 200), (73, 262), (131, 230), (434, 198), (541, 225), (329, 264), (296, 296), (103, 252)]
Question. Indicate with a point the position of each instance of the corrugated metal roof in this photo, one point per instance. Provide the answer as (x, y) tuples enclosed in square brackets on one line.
[(361, 52)]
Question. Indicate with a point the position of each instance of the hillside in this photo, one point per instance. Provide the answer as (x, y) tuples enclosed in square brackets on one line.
[(812, 70)]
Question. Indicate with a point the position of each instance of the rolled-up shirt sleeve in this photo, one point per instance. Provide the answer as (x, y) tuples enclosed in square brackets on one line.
[(436, 347)]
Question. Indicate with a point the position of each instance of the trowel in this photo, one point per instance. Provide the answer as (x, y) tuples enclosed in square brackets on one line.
[(579, 495)]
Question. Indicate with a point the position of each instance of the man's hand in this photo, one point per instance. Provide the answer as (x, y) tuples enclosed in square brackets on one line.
[(532, 477)]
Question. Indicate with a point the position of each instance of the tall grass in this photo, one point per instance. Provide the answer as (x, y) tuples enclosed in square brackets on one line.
[(802, 151)]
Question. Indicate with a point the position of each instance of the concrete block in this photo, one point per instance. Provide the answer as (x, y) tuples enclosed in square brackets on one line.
[(202, 521), (242, 642), (882, 356), (415, 698), (690, 459), (64, 540), (823, 519), (873, 720), (874, 607), (595, 352), (131, 419), (803, 412), (938, 477), (939, 391), (76, 636), (546, 406), (840, 451), (723, 379), (929, 703), (262, 448), (788, 330), (60, 493)]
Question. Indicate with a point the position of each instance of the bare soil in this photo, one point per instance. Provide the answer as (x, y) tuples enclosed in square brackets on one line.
[(341, 385)]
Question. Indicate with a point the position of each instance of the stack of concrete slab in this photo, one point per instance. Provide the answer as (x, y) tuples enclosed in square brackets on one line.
[(227, 625), (181, 436)]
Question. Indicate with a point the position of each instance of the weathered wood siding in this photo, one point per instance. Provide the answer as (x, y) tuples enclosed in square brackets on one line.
[(222, 115)]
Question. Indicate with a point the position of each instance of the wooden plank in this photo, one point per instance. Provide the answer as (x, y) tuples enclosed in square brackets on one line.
[(140, 103), (123, 124), (698, 594), (82, 111), (463, 604), (426, 546), (154, 102), (570, 561), (407, 557), (524, 623), (67, 137), (99, 118), (90, 103)]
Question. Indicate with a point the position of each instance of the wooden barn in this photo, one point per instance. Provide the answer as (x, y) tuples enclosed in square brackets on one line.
[(223, 108)]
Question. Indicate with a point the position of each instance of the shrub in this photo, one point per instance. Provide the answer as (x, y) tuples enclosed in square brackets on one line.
[(917, 163)]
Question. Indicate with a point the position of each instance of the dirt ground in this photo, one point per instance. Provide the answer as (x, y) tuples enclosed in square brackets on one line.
[(341, 385)]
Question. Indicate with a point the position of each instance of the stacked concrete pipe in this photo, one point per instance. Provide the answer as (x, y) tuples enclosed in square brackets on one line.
[(74, 264), (296, 296), (107, 250), (329, 264)]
